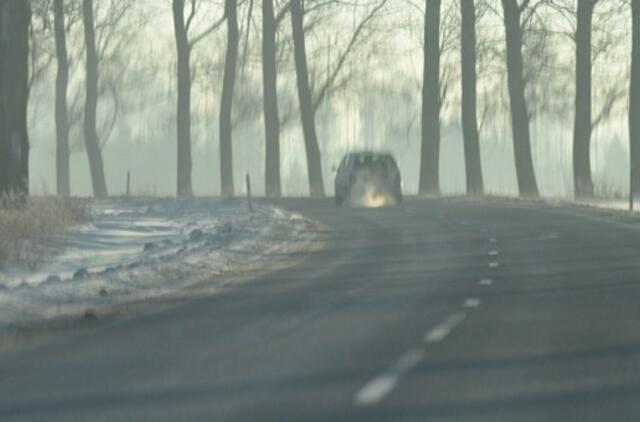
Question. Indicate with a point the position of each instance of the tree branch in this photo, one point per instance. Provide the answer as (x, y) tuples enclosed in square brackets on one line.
[(192, 15), (343, 57), (283, 13), (207, 31)]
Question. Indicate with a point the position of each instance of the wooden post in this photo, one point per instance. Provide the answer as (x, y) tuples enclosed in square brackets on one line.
[(631, 190), (249, 203), (128, 183)]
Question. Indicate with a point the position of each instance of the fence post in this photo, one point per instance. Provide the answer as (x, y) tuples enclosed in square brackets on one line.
[(249, 202), (631, 190), (128, 183)]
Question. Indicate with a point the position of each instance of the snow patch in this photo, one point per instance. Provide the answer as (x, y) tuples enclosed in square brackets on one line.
[(136, 249)]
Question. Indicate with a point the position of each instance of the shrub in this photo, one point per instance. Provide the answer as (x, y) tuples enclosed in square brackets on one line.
[(31, 230)]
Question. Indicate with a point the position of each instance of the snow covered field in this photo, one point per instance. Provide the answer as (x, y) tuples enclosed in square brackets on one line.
[(136, 249)]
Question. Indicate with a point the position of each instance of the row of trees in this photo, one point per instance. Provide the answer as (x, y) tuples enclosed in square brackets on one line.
[(187, 35), (517, 17)]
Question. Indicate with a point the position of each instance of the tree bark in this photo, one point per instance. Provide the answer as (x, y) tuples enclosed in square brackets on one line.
[(634, 100), (5, 179), (270, 98), (307, 113), (14, 70), (184, 188), (62, 120), (90, 131), (475, 184), (430, 154), (527, 185), (226, 104), (583, 184)]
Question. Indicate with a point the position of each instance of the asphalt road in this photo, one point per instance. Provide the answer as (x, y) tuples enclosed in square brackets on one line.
[(438, 310)]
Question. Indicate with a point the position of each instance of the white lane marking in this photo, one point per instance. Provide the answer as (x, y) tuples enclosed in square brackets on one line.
[(441, 331), (486, 282), (494, 264), (493, 253), (492, 240), (472, 303), (383, 384)]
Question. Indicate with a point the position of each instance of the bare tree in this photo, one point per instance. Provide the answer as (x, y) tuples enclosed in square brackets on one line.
[(583, 184), (184, 46), (226, 103), (513, 20), (475, 185), (14, 91), (336, 77), (270, 98), (184, 101), (307, 114), (61, 113), (6, 161), (429, 160), (40, 56), (112, 19), (634, 100), (91, 104)]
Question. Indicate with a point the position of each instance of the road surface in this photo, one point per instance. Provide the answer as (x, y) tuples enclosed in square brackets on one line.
[(439, 310)]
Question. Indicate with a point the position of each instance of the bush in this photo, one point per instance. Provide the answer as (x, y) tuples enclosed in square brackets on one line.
[(29, 231)]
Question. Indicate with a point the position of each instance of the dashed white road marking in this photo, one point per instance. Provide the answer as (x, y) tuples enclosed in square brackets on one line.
[(472, 303), (378, 388), (383, 384), (494, 264), (486, 282), (441, 331), (492, 240), (493, 253)]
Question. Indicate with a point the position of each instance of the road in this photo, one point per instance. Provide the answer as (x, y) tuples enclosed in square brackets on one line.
[(438, 310)]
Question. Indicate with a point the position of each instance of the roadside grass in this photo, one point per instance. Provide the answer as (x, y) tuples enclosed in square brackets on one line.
[(32, 231), (603, 191)]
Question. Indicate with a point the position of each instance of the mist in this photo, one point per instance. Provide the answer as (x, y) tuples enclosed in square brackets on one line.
[(376, 105)]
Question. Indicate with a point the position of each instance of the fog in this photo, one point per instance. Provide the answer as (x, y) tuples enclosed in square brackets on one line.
[(376, 105), (445, 223)]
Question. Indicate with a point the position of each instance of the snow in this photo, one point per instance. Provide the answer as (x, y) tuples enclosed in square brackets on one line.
[(621, 205), (136, 249)]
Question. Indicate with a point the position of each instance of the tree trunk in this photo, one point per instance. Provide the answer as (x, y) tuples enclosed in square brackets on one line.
[(62, 120), (527, 185), (5, 40), (634, 99), (90, 132), (475, 185), (14, 70), (430, 155), (184, 101), (226, 104), (270, 98), (583, 184), (307, 114)]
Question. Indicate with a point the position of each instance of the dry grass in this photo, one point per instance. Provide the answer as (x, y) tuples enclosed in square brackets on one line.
[(31, 232), (610, 192)]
